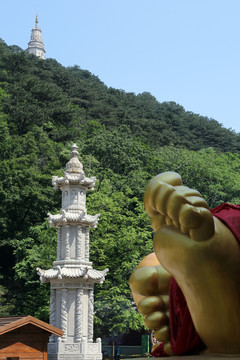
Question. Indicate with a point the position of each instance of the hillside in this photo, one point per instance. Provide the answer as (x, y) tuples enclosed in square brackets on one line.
[(59, 96), (124, 139)]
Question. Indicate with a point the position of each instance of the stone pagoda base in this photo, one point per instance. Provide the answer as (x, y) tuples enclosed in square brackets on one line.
[(75, 351)]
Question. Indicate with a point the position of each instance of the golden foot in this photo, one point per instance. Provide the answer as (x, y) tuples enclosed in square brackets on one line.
[(150, 286), (203, 256)]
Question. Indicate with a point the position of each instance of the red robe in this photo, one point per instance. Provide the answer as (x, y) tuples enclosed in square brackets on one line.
[(184, 337)]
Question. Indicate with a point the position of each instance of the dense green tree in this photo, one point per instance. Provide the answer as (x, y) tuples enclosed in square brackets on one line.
[(214, 174), (124, 139), (124, 233)]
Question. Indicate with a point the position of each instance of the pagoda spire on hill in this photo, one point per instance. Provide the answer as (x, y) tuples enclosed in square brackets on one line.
[(35, 45)]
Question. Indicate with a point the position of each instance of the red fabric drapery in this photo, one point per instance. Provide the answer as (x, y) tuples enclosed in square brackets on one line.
[(184, 338)]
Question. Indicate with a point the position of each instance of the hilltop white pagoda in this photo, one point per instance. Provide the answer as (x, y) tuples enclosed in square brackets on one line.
[(72, 277), (36, 46)]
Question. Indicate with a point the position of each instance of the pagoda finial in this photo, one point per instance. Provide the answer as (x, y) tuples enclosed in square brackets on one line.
[(74, 152), (36, 21), (74, 165)]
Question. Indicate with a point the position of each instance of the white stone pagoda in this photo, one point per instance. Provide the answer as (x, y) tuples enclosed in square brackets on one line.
[(72, 277), (36, 46)]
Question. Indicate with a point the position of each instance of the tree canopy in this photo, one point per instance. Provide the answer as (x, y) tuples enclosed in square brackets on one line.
[(124, 139)]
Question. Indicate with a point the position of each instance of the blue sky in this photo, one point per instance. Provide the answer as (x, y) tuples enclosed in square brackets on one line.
[(185, 51)]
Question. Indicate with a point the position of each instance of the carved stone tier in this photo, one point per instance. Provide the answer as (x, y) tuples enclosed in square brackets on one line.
[(76, 179), (67, 217), (82, 273)]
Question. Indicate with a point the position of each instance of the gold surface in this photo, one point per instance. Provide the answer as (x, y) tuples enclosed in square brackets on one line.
[(203, 256)]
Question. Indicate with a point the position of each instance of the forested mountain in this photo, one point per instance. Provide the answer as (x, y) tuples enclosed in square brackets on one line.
[(124, 139)]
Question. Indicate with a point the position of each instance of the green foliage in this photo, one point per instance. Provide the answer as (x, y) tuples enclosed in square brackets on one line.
[(6, 308), (214, 174), (124, 233), (37, 250), (124, 139)]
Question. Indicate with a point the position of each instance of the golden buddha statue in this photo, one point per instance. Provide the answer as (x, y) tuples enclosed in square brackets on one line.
[(201, 254)]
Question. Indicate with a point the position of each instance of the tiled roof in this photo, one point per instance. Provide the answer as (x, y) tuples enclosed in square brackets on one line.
[(8, 319), (10, 323)]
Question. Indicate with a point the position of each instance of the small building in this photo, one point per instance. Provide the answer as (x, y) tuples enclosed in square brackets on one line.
[(25, 338)]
